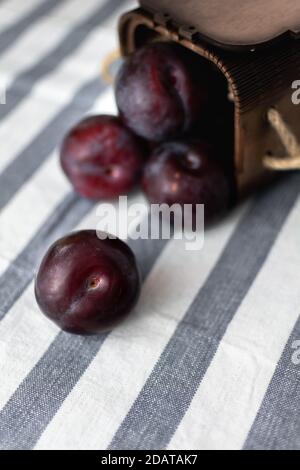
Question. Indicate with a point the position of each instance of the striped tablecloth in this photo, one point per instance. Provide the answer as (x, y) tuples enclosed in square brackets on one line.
[(210, 357)]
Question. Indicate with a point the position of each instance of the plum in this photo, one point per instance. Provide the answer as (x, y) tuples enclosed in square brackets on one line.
[(161, 92), (87, 284), (187, 173), (102, 158)]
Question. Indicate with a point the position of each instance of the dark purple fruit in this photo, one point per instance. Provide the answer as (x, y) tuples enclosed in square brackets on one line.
[(102, 158), (186, 173), (160, 93), (87, 285)]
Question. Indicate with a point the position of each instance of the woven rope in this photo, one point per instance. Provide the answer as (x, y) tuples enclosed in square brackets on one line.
[(289, 141), (106, 74)]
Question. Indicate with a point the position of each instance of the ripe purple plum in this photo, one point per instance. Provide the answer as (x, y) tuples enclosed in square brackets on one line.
[(87, 285), (102, 158), (161, 92), (187, 173)]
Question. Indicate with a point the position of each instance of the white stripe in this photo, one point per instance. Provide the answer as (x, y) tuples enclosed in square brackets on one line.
[(106, 104), (44, 35), (21, 218), (77, 69), (13, 10), (35, 113), (228, 399), (91, 414), (25, 333), (55, 90), (25, 213)]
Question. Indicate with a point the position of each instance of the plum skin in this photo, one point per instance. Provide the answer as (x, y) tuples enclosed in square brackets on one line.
[(87, 285), (159, 93), (101, 158), (187, 173)]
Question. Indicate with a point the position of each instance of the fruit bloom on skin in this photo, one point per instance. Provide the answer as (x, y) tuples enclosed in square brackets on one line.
[(186, 173), (87, 285), (102, 158), (159, 93)]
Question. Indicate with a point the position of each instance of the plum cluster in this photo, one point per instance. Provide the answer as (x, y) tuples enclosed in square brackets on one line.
[(171, 136), (169, 120)]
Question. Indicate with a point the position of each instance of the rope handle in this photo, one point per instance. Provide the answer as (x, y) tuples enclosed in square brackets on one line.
[(108, 61), (289, 141)]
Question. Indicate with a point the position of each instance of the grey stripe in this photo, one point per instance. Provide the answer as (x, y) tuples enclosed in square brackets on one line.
[(277, 424), (24, 83), (167, 394), (19, 274), (10, 34), (39, 149), (37, 399)]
